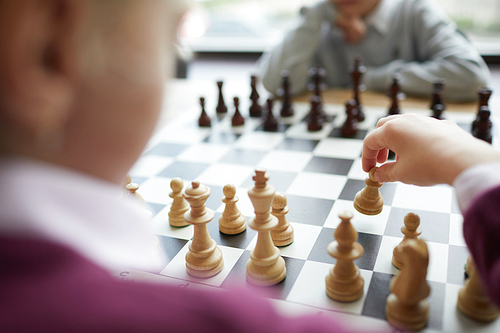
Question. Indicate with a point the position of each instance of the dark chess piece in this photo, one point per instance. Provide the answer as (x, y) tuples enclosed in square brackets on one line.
[(357, 71), (396, 95), (284, 93), (317, 85), (204, 120), (437, 111), (315, 118), (437, 93), (482, 125), (350, 127), (484, 96), (255, 109), (270, 124), (221, 106), (237, 119)]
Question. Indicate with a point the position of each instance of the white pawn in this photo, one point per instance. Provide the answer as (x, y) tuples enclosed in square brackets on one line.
[(132, 191), (369, 201), (411, 230), (283, 234), (179, 206), (231, 222)]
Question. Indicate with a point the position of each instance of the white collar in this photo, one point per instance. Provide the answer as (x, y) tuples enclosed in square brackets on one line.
[(93, 217), (381, 17)]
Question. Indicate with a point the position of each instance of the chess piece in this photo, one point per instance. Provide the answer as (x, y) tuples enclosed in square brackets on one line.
[(204, 120), (283, 234), (468, 267), (472, 299), (411, 230), (317, 85), (396, 95), (127, 180), (437, 93), (179, 205), (344, 282), (255, 108), (204, 258), (484, 95), (357, 71), (350, 127), (315, 119), (231, 222), (270, 123), (265, 267), (132, 191), (407, 307), (482, 125), (286, 100), (221, 105), (437, 111), (369, 201), (237, 119)]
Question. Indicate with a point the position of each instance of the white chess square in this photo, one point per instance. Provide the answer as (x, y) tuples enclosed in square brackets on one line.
[(339, 147), (299, 131), (438, 259), (383, 264), (150, 165), (177, 266), (430, 198), (356, 171), (221, 174), (285, 160), (162, 227), (456, 230), (263, 141), (372, 224), (204, 152), (317, 185), (182, 134), (156, 190), (310, 289)]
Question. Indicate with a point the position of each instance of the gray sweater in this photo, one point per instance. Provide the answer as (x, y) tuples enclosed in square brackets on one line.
[(410, 37)]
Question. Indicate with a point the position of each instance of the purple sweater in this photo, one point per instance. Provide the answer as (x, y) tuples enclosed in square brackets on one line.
[(482, 235), (48, 288)]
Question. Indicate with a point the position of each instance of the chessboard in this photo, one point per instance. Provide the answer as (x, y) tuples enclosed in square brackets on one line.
[(320, 173)]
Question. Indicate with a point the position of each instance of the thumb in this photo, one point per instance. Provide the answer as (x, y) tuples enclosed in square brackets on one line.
[(387, 172)]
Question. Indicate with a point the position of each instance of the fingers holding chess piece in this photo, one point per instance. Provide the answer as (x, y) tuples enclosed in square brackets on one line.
[(369, 201), (231, 222), (283, 234), (411, 230)]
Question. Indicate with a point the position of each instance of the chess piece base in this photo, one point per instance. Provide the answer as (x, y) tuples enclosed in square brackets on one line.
[(344, 290), (178, 223), (398, 264), (265, 272), (404, 317), (235, 227), (477, 308), (368, 207), (283, 237), (206, 263)]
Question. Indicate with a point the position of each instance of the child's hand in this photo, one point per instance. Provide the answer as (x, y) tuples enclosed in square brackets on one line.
[(429, 151), (353, 27)]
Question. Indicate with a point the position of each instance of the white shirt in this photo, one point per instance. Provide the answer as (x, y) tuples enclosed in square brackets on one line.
[(93, 217)]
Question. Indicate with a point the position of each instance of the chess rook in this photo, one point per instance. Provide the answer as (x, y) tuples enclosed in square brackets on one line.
[(204, 258), (265, 267), (369, 201), (411, 230), (179, 205), (344, 282), (283, 234), (231, 222), (407, 307)]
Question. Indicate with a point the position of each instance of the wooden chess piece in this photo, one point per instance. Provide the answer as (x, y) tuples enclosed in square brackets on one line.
[(472, 299), (283, 234), (255, 108), (350, 127), (132, 191), (204, 120), (204, 258), (482, 125), (270, 123), (232, 222), (407, 307), (357, 71), (437, 93), (237, 119), (286, 100), (315, 119), (127, 180), (344, 282), (395, 95), (221, 105), (317, 85), (179, 205), (265, 267), (437, 111), (469, 265), (369, 201), (411, 230), (484, 95)]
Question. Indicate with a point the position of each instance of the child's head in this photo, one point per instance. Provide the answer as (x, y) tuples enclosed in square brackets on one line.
[(81, 81), (355, 8)]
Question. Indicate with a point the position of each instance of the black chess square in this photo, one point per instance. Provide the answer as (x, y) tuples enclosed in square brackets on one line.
[(298, 144), (337, 133), (307, 210), (329, 165), (170, 245), (281, 180), (241, 240), (221, 137)]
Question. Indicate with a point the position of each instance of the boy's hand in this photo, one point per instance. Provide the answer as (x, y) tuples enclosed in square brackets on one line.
[(429, 151), (353, 27)]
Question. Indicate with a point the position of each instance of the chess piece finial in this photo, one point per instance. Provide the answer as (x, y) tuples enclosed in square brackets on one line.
[(221, 105), (265, 267), (369, 201), (350, 127), (204, 120), (204, 258), (179, 205), (407, 307), (283, 234), (237, 119), (344, 282), (473, 300), (255, 108), (132, 191), (411, 230), (270, 123), (231, 222)]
